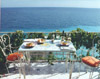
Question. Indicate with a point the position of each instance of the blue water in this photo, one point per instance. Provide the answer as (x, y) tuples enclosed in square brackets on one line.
[(49, 19)]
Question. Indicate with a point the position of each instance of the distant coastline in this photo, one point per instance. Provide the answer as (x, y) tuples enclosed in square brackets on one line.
[(54, 7)]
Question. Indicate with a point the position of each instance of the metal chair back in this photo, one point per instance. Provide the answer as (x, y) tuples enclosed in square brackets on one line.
[(5, 45)]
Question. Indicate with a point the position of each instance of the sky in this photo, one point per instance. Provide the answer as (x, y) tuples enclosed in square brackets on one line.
[(51, 3)]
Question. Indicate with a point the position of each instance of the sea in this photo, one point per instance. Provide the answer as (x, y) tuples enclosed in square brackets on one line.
[(49, 19)]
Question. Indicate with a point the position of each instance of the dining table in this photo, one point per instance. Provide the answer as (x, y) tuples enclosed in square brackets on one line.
[(47, 46)]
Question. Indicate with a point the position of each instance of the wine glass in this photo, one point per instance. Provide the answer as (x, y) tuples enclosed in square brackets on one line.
[(46, 36), (69, 35), (57, 37), (69, 38), (62, 38), (53, 38)]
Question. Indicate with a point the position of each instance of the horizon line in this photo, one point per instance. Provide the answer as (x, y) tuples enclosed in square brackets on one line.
[(52, 7)]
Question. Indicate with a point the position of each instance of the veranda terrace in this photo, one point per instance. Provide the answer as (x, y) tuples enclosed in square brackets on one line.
[(54, 66)]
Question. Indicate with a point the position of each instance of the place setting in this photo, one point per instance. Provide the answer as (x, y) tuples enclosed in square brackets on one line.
[(29, 45), (40, 41)]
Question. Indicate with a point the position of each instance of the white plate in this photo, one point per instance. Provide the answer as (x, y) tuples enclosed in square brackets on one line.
[(26, 46)]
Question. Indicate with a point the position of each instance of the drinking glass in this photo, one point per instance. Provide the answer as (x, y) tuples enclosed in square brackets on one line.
[(69, 35), (53, 38), (46, 36), (58, 37)]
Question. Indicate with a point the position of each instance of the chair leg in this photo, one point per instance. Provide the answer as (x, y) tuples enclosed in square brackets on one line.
[(99, 76), (19, 71), (20, 68), (92, 72), (90, 75), (79, 70), (14, 66), (23, 71), (7, 68)]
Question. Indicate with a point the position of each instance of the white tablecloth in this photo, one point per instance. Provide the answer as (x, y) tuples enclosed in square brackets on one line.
[(48, 46)]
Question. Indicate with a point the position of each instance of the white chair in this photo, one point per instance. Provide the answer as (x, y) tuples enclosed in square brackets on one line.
[(91, 63), (5, 47)]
